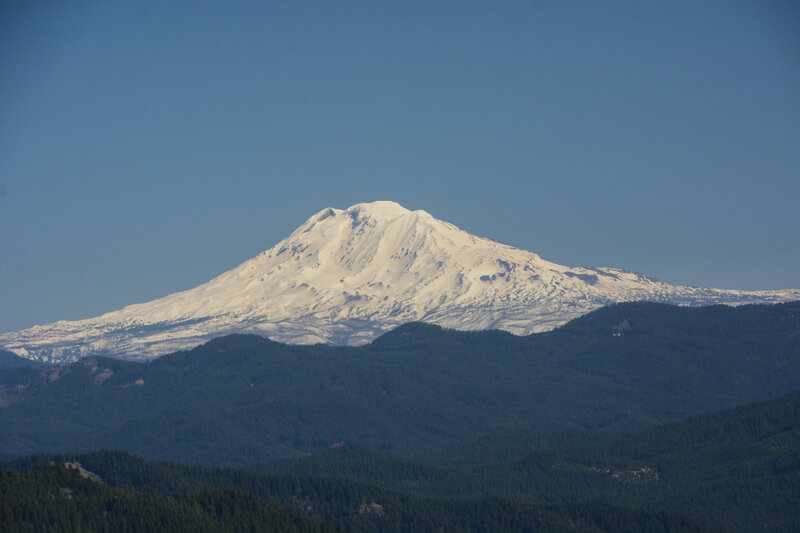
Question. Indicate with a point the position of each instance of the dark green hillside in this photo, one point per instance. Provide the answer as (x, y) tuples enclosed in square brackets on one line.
[(419, 390), (54, 498), (751, 351), (194, 496), (738, 468)]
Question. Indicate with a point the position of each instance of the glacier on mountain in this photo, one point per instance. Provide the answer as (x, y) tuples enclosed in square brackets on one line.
[(346, 276)]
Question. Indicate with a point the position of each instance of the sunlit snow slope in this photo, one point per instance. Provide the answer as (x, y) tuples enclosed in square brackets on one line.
[(346, 276)]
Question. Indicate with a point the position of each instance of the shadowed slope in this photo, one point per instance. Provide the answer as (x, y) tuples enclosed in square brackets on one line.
[(245, 399)]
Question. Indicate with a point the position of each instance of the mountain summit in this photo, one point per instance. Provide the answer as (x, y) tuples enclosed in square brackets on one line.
[(346, 276)]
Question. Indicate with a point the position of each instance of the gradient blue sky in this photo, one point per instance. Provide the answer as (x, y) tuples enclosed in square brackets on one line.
[(146, 147)]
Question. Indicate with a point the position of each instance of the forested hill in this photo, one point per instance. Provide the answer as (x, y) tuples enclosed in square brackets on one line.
[(242, 400), (55, 498), (144, 496), (738, 468)]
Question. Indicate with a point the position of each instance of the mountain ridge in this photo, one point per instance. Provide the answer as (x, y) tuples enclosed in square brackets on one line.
[(347, 276), (243, 399)]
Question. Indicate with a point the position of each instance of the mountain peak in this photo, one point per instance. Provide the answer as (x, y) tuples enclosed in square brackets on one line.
[(371, 213), (381, 209), (347, 275)]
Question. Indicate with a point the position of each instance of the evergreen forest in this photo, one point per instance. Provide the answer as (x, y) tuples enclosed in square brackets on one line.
[(636, 417)]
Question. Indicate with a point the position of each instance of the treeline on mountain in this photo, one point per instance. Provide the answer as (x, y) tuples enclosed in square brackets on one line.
[(737, 469), (171, 497), (416, 391)]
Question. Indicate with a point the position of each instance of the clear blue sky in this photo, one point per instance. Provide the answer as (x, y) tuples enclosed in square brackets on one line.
[(146, 147)]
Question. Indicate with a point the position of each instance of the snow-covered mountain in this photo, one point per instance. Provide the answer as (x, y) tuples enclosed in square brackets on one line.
[(346, 276)]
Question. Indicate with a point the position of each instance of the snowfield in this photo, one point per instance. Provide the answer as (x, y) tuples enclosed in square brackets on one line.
[(346, 276)]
